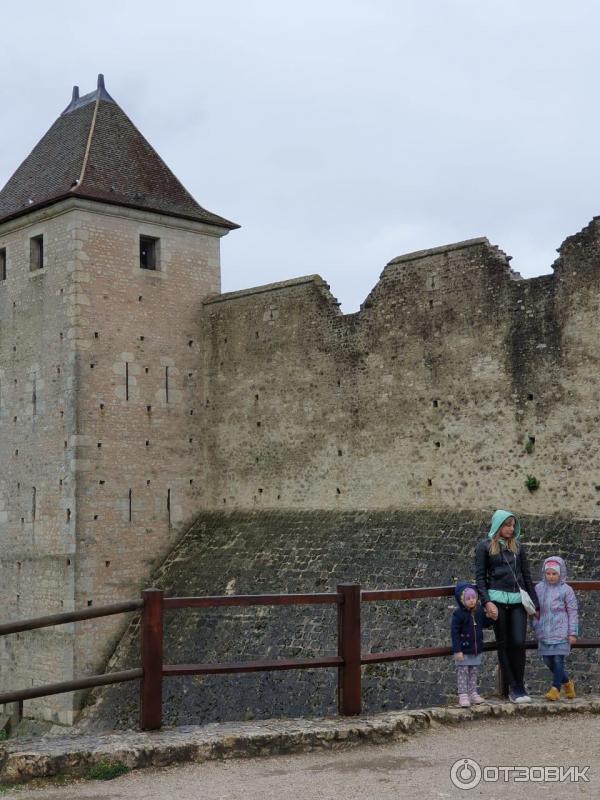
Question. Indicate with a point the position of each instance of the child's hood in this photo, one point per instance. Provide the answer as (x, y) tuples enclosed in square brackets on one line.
[(459, 589), (561, 565)]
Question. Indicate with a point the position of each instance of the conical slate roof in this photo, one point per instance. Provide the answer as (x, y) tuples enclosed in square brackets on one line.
[(94, 151)]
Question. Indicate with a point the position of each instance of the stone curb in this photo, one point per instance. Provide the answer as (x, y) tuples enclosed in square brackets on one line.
[(74, 755)]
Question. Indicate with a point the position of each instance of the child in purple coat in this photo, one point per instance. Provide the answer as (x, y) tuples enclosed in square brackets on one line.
[(557, 627)]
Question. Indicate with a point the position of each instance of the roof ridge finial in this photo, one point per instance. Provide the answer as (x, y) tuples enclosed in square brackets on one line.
[(74, 100), (101, 93)]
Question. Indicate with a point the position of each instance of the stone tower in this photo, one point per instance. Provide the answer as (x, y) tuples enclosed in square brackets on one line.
[(105, 260)]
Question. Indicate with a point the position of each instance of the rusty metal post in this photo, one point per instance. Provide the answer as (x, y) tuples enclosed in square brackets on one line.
[(152, 660), (349, 673)]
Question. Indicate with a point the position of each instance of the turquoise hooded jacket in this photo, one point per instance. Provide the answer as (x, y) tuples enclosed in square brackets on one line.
[(498, 518), (499, 576)]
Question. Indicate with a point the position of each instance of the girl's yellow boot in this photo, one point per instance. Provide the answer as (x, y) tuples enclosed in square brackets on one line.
[(569, 690), (552, 693)]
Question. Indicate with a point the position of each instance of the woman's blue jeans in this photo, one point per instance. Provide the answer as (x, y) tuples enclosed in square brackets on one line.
[(556, 665)]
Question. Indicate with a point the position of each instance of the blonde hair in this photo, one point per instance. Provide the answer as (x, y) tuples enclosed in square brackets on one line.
[(512, 544)]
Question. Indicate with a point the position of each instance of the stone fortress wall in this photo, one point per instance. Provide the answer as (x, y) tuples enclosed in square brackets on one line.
[(37, 424), (100, 424), (139, 477), (455, 381)]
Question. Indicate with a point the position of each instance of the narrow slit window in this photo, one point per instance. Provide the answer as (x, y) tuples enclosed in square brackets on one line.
[(36, 252), (149, 252), (169, 505), (167, 384), (127, 380), (33, 502), (129, 501), (2, 263)]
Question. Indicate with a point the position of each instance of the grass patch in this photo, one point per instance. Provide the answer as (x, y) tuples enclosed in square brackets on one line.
[(107, 770)]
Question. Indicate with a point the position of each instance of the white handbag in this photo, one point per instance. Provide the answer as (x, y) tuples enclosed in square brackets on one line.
[(528, 603)]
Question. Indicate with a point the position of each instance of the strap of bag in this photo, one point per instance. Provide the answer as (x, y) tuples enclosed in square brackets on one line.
[(511, 569)]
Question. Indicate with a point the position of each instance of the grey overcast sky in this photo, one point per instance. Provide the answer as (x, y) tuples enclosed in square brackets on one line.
[(338, 133)]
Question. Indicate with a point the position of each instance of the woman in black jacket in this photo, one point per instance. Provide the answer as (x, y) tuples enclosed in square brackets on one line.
[(501, 570)]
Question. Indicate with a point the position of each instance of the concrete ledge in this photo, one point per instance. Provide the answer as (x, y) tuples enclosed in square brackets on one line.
[(74, 755)]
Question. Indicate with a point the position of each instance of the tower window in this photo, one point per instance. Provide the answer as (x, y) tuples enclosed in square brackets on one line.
[(36, 252), (149, 252), (2, 263)]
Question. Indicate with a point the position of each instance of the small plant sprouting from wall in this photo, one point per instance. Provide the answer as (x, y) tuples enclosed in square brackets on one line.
[(532, 483), (529, 446)]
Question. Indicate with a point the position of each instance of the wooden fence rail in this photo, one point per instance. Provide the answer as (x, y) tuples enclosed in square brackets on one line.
[(69, 616), (348, 661)]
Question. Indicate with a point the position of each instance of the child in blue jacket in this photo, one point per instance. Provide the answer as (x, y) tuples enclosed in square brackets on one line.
[(468, 622)]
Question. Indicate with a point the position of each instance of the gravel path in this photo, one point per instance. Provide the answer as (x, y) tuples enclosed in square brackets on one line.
[(417, 768)]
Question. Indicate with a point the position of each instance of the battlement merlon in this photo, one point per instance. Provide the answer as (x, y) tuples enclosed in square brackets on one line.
[(579, 255), (447, 248), (316, 281)]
